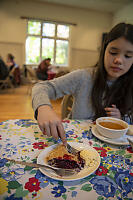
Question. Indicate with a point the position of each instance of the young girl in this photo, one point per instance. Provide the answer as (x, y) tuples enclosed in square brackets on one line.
[(103, 90)]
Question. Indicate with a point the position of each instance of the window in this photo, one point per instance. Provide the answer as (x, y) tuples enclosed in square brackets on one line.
[(47, 40)]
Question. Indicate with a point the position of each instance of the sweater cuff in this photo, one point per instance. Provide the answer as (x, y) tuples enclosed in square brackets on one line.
[(36, 113)]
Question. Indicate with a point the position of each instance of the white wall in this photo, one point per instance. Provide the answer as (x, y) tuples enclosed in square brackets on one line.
[(85, 37), (124, 15)]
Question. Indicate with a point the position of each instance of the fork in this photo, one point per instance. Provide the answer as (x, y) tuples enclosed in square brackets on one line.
[(71, 149), (130, 142), (59, 171)]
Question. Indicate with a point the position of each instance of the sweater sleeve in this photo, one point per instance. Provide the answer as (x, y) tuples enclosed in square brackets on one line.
[(43, 91)]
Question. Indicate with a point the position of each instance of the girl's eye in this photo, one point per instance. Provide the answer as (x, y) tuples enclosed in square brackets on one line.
[(113, 53), (127, 56)]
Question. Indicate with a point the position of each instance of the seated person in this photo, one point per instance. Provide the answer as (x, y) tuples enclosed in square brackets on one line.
[(42, 70), (13, 69), (3, 70)]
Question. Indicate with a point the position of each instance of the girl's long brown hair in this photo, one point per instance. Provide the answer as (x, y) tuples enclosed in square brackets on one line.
[(121, 91)]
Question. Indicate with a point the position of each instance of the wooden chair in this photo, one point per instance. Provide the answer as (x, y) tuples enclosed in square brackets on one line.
[(32, 79), (66, 106)]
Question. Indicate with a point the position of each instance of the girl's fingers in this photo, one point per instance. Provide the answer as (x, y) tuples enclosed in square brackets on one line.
[(111, 114), (111, 109), (47, 130), (54, 131), (114, 106), (62, 134), (42, 129)]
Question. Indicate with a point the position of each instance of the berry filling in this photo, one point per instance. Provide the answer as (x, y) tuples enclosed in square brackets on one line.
[(67, 162)]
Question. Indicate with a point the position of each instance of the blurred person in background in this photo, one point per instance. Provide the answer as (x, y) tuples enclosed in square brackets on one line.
[(14, 70), (42, 70), (3, 69)]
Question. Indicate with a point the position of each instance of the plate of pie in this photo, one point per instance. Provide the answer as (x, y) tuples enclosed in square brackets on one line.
[(85, 163), (116, 141)]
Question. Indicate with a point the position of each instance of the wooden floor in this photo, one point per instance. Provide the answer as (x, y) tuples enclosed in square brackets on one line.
[(16, 104)]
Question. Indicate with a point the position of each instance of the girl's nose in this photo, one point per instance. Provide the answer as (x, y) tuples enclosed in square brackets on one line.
[(118, 60)]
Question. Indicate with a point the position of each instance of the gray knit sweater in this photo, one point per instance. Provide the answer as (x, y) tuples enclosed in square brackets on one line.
[(78, 83)]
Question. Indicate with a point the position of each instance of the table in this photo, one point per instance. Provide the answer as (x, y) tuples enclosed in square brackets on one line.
[(22, 140)]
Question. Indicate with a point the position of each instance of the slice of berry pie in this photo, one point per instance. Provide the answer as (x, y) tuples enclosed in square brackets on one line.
[(59, 157)]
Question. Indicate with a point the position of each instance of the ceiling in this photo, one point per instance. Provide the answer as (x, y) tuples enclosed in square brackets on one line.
[(110, 6)]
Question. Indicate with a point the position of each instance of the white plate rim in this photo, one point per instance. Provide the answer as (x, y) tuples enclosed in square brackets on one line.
[(56, 177), (96, 133)]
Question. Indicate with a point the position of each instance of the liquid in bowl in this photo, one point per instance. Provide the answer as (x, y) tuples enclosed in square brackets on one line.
[(111, 125)]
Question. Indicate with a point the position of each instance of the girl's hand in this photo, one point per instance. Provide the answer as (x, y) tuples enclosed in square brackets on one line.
[(50, 124), (113, 112)]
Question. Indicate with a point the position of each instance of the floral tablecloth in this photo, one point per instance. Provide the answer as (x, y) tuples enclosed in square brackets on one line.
[(22, 140)]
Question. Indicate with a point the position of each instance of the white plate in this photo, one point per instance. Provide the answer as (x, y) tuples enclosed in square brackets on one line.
[(82, 174), (118, 141)]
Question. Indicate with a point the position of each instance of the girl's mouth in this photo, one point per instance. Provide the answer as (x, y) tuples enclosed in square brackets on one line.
[(115, 69)]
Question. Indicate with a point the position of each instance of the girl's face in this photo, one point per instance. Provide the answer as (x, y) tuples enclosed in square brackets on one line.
[(118, 58)]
